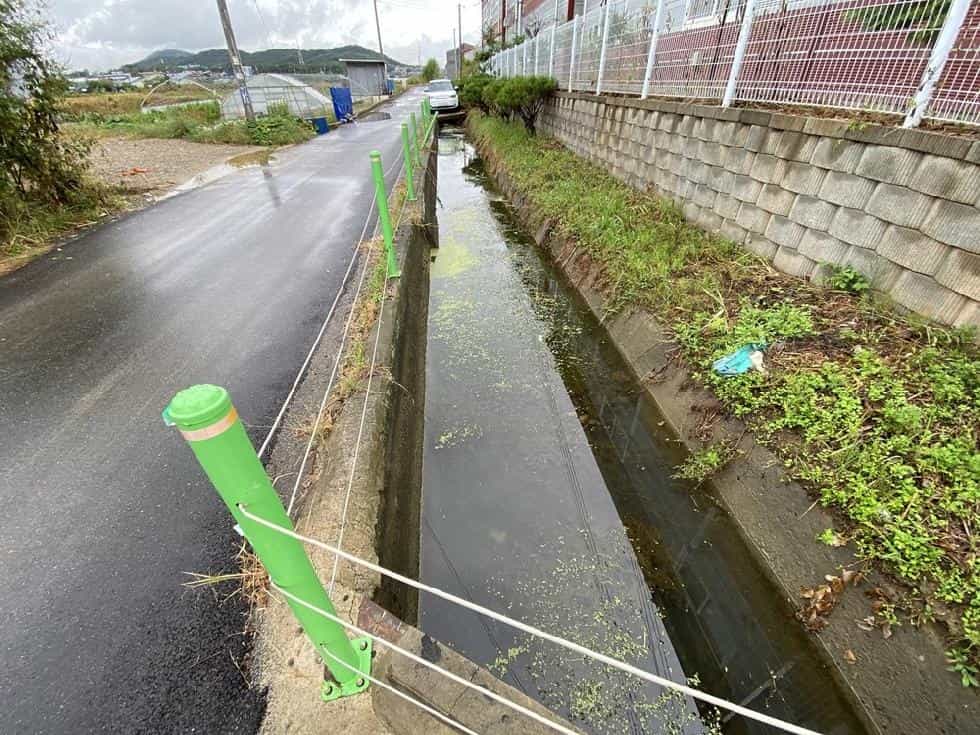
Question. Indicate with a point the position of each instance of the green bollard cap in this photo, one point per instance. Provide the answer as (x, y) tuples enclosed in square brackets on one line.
[(198, 406)]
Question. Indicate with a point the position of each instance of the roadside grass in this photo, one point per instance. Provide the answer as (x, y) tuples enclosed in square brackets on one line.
[(876, 413), (30, 228), (200, 123), (123, 103)]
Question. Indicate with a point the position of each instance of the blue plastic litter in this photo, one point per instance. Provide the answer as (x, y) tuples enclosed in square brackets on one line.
[(738, 362), (343, 104), (321, 125)]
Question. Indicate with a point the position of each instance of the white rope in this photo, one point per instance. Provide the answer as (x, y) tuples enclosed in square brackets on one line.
[(323, 329), (531, 630), (333, 372), (428, 664), (422, 705), (364, 407)]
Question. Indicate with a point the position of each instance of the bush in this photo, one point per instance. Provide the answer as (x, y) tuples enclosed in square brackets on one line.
[(279, 129), (38, 165), (431, 70), (471, 91), (523, 97), (489, 95)]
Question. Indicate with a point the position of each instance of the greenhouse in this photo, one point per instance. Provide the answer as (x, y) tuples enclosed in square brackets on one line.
[(277, 89)]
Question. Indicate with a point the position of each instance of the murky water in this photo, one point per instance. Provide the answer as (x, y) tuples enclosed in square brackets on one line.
[(547, 495)]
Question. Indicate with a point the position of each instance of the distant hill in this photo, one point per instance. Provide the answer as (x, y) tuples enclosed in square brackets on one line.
[(270, 60)]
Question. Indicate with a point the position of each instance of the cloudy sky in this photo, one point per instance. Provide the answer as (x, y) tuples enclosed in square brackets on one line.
[(101, 34)]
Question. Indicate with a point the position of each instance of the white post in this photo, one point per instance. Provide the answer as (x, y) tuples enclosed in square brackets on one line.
[(652, 53), (551, 52), (524, 59), (602, 53), (571, 58), (537, 52), (937, 62), (743, 41)]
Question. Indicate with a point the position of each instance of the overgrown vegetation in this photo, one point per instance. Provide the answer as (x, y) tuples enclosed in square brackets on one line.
[(877, 414), (923, 17), (202, 123), (518, 97), (705, 463), (431, 70), (43, 189), (76, 106)]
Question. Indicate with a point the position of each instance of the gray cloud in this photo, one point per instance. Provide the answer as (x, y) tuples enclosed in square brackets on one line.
[(106, 33)]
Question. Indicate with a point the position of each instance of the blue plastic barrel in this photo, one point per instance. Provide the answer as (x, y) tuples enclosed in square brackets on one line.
[(321, 125)]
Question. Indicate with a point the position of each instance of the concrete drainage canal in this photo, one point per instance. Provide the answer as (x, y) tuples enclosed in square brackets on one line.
[(547, 495)]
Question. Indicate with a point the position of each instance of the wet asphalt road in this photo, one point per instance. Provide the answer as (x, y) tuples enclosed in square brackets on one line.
[(104, 507)]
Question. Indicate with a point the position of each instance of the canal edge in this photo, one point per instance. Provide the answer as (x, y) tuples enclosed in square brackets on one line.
[(903, 684)]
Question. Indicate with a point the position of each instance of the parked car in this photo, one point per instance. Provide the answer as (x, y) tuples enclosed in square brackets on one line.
[(442, 95)]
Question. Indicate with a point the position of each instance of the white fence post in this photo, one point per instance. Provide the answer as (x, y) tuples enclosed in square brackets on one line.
[(652, 53), (937, 61), (743, 41), (551, 53), (602, 52), (537, 52), (524, 58), (571, 59)]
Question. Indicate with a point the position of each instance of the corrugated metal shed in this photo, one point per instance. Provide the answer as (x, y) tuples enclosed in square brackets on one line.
[(367, 77)]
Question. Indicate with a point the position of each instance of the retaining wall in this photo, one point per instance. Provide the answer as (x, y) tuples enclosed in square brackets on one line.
[(900, 206)]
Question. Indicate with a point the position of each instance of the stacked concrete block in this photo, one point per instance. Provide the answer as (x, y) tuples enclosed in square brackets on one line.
[(900, 206)]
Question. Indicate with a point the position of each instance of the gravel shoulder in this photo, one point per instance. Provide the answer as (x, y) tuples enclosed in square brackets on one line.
[(149, 167)]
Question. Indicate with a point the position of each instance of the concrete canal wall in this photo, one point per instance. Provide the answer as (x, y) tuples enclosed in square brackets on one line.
[(899, 685), (900, 206)]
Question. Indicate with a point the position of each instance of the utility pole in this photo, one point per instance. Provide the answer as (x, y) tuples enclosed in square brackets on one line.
[(236, 60), (459, 49), (381, 48)]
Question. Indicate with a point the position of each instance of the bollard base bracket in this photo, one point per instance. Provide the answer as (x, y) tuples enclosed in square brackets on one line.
[(331, 690)]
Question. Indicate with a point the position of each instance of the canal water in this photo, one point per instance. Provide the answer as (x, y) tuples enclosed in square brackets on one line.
[(547, 495)]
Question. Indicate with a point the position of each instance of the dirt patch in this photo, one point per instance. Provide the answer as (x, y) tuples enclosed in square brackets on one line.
[(149, 167)]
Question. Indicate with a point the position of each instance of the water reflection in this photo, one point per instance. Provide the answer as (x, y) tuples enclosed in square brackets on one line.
[(548, 495)]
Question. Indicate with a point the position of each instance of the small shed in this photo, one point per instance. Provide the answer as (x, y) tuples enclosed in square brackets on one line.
[(368, 77)]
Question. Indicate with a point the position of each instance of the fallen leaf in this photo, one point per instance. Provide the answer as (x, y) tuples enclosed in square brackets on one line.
[(850, 657)]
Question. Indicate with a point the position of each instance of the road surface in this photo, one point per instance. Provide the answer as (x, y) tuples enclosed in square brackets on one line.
[(105, 508)]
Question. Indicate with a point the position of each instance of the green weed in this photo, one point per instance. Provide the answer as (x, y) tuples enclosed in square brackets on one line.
[(876, 413), (705, 463), (848, 279)]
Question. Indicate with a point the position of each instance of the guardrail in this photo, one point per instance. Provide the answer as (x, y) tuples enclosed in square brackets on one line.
[(914, 58), (208, 421)]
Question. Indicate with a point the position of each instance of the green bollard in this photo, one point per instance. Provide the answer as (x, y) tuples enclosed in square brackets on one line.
[(415, 139), (210, 424), (384, 214), (407, 156)]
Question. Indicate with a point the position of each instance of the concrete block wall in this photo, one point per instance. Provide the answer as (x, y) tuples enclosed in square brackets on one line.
[(900, 206)]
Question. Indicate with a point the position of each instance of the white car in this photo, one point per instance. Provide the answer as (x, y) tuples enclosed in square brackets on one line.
[(442, 95)]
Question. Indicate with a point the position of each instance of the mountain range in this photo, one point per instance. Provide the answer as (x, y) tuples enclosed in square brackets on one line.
[(269, 60)]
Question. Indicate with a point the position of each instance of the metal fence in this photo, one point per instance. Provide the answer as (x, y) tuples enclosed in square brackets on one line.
[(914, 58)]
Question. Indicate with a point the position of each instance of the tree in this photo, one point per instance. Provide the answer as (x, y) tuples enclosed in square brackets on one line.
[(471, 91), (36, 163), (431, 70), (524, 97)]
